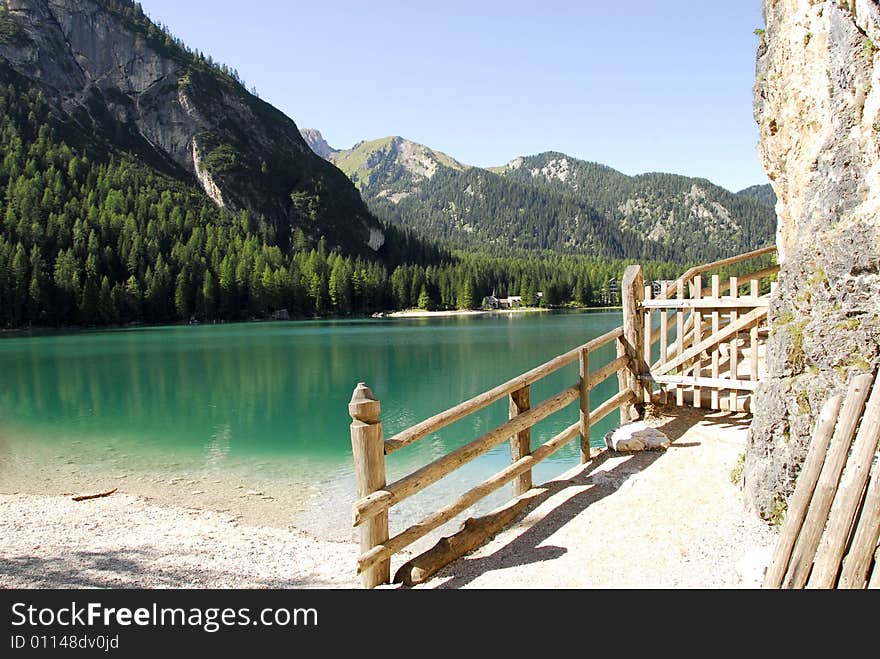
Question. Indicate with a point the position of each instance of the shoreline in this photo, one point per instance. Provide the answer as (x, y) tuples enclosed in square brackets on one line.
[(421, 313), (15, 332)]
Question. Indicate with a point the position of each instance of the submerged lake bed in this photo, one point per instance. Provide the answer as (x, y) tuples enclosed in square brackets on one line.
[(252, 419)]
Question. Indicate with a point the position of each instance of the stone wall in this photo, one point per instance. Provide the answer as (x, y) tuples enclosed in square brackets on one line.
[(817, 101)]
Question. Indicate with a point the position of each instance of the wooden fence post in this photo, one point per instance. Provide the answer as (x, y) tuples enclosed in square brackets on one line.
[(368, 448), (584, 416), (632, 292), (521, 442)]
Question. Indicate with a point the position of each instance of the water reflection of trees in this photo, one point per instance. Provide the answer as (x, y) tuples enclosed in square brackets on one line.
[(275, 388)]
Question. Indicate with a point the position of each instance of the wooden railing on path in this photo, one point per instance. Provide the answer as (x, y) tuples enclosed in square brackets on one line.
[(636, 376), (708, 351)]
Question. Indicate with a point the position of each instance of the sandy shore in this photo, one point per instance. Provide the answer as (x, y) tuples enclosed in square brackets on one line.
[(122, 541), (661, 519)]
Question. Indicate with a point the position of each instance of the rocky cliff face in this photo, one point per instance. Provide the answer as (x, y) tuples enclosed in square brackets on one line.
[(113, 72), (817, 101), (317, 143)]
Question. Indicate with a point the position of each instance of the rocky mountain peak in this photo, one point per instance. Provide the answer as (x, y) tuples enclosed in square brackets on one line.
[(317, 143)]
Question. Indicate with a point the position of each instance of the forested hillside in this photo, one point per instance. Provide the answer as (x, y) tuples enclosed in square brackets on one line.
[(552, 201)]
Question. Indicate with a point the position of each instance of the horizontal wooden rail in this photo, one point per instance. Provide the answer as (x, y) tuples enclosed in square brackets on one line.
[(393, 545), (606, 408), (432, 472), (485, 399), (708, 303), (743, 323), (700, 269), (690, 380), (607, 371), (743, 279), (413, 533)]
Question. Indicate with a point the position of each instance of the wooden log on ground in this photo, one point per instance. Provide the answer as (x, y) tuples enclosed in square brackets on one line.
[(845, 508), (805, 549), (803, 492), (521, 442), (385, 497), (99, 495), (393, 545), (473, 533), (443, 419), (369, 468)]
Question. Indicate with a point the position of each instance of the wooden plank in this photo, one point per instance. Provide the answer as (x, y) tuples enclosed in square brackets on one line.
[(679, 337), (584, 412), (698, 336), (845, 508), (369, 469), (857, 564), (805, 549), (519, 401), (606, 408), (752, 276), (803, 492), (700, 269), (649, 340), (709, 303), (632, 289), (734, 343), (725, 333), (874, 581), (622, 380), (754, 344), (438, 518), (443, 419), (473, 533), (664, 328), (607, 371), (418, 480), (692, 381), (716, 354)]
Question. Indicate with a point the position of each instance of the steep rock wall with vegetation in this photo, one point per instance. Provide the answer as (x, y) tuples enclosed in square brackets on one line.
[(817, 101)]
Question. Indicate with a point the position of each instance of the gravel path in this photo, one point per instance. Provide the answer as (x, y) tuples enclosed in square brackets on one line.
[(668, 519)]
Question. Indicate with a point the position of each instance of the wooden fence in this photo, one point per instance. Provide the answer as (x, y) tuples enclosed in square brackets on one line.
[(635, 387), (830, 532), (715, 352)]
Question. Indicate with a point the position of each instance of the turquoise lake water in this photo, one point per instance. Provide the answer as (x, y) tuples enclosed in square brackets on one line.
[(268, 401)]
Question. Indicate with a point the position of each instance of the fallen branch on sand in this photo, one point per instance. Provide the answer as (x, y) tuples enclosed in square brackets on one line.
[(95, 496)]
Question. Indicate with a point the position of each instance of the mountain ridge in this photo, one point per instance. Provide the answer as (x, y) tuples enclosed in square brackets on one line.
[(105, 67), (554, 201)]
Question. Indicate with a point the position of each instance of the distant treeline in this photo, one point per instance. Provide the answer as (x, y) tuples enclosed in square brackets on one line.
[(95, 239)]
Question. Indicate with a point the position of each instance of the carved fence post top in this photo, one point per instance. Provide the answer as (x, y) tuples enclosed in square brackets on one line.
[(363, 405)]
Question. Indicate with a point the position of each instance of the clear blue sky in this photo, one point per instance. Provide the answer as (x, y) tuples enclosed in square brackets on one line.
[(640, 85)]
